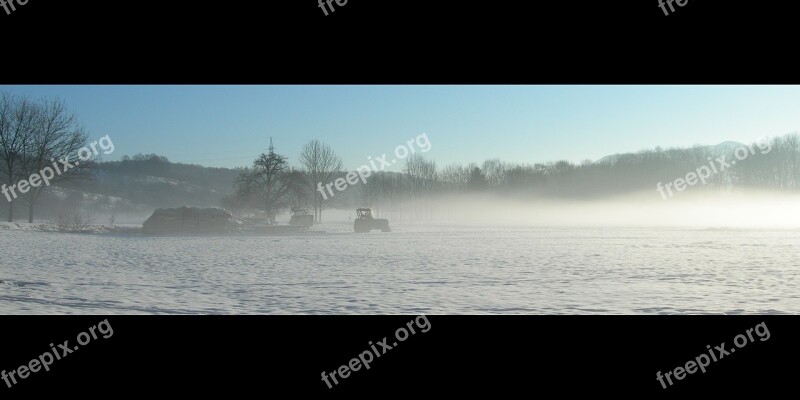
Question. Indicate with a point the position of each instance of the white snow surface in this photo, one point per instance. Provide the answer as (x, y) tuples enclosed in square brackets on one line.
[(441, 269)]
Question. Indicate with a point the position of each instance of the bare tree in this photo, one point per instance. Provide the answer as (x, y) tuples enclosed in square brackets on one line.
[(421, 175), (321, 164), (495, 171), (17, 120), (454, 176), (421, 172), (271, 181), (56, 136)]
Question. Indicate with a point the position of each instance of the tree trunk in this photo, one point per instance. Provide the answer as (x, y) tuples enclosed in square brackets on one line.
[(316, 206), (30, 213), (11, 211)]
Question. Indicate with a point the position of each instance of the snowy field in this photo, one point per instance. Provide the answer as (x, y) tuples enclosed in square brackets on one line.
[(415, 269)]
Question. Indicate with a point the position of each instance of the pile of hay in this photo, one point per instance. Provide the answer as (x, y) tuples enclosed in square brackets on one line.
[(189, 220)]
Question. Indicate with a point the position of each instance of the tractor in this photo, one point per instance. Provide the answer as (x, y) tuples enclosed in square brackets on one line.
[(364, 222)]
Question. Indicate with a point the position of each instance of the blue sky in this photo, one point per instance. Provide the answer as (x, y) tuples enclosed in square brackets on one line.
[(229, 126)]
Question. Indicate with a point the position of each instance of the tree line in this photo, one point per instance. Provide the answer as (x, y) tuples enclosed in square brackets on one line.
[(274, 185)]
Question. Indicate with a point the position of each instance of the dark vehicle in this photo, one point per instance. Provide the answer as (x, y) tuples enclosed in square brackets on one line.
[(365, 222), (300, 217)]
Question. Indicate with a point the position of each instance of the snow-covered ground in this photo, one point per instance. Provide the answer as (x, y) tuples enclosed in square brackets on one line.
[(414, 269)]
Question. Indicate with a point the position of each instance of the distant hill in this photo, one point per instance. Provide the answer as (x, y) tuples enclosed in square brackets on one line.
[(132, 188), (153, 181)]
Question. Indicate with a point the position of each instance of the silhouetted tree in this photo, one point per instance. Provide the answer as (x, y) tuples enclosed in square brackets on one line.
[(56, 135), (271, 181), (34, 135), (321, 165)]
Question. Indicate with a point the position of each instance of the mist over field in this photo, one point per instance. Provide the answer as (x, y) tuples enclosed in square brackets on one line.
[(757, 209)]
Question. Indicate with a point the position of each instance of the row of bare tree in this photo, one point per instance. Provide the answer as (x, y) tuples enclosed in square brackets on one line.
[(772, 165), (33, 135), (271, 184)]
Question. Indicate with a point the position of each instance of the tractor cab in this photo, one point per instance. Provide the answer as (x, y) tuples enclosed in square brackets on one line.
[(364, 222), (364, 213)]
